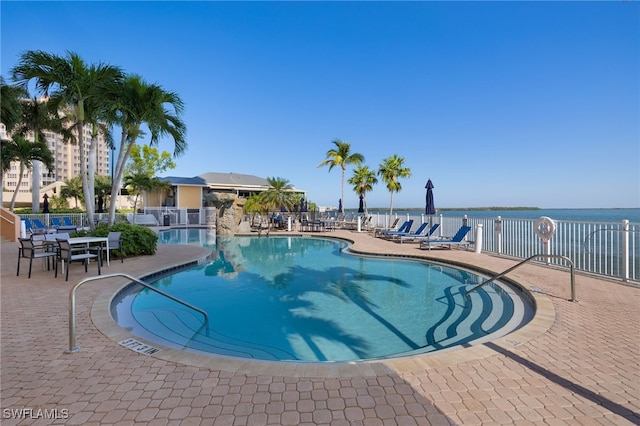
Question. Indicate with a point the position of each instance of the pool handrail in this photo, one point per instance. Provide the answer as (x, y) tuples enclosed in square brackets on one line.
[(549, 256), (72, 304)]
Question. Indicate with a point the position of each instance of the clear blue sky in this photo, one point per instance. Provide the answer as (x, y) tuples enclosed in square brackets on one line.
[(499, 103)]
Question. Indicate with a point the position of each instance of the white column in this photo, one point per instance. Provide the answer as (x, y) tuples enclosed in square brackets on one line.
[(359, 224), (625, 250), (479, 238), (498, 230)]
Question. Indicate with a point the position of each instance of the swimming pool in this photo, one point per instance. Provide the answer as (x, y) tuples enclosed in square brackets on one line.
[(307, 299)]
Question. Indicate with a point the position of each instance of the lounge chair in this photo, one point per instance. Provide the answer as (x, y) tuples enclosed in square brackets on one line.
[(28, 225), (67, 221), (457, 239), (379, 229), (56, 222), (420, 236), (406, 227), (39, 227), (417, 232)]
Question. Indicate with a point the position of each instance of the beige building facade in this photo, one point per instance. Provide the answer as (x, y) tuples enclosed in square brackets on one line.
[(66, 166)]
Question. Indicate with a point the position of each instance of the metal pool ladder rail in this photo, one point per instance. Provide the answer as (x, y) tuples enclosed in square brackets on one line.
[(549, 256), (72, 304)]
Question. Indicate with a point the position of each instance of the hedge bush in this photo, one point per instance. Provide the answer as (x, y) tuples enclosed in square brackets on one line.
[(136, 239)]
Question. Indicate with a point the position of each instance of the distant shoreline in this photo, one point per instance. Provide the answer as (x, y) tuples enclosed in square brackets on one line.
[(466, 209)]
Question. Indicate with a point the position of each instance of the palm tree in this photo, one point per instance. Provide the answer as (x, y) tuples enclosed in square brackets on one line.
[(73, 189), (37, 117), (391, 169), (136, 103), (10, 114), (341, 156), (363, 180), (137, 183), (11, 105), (279, 194), (102, 187), (24, 151), (257, 207), (73, 86)]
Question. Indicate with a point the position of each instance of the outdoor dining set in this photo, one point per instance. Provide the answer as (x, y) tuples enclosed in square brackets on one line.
[(62, 249)]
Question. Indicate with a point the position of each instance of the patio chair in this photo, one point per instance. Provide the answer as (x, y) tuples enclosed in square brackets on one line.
[(409, 233), (457, 239), (115, 243), (66, 254), (405, 228), (32, 250)]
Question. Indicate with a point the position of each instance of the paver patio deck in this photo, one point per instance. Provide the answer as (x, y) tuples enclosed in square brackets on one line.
[(576, 363)]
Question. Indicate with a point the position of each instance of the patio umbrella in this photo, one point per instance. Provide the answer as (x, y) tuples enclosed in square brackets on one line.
[(302, 210), (361, 206), (45, 208), (430, 208), (340, 205)]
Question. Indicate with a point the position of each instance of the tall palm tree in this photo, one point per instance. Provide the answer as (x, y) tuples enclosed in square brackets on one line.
[(72, 85), (391, 169), (363, 180), (10, 115), (135, 104), (38, 117), (341, 156), (25, 152)]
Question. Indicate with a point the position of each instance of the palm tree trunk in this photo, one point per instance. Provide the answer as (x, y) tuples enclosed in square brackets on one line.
[(342, 193), (15, 193), (36, 175), (91, 178)]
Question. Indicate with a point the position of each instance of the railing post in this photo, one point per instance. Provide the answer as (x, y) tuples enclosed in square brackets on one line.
[(498, 230), (625, 250), (479, 238)]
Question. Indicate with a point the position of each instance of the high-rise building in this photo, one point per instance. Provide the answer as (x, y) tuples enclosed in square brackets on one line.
[(66, 163)]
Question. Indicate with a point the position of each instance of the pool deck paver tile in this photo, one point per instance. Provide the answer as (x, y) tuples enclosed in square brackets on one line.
[(576, 363)]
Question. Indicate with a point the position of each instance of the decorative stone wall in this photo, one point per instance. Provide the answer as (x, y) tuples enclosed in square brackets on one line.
[(229, 208)]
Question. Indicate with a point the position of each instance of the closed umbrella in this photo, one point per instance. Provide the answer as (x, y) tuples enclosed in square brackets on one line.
[(340, 205), (45, 209), (361, 206), (430, 208)]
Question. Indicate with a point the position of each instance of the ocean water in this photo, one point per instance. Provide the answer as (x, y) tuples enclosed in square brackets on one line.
[(574, 215)]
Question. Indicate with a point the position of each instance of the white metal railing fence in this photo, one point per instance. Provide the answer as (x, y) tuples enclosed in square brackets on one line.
[(605, 248)]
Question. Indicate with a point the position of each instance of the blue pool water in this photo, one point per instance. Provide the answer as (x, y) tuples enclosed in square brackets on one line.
[(306, 299)]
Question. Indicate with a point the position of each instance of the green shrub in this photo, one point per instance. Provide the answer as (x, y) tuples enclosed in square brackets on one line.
[(136, 239)]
